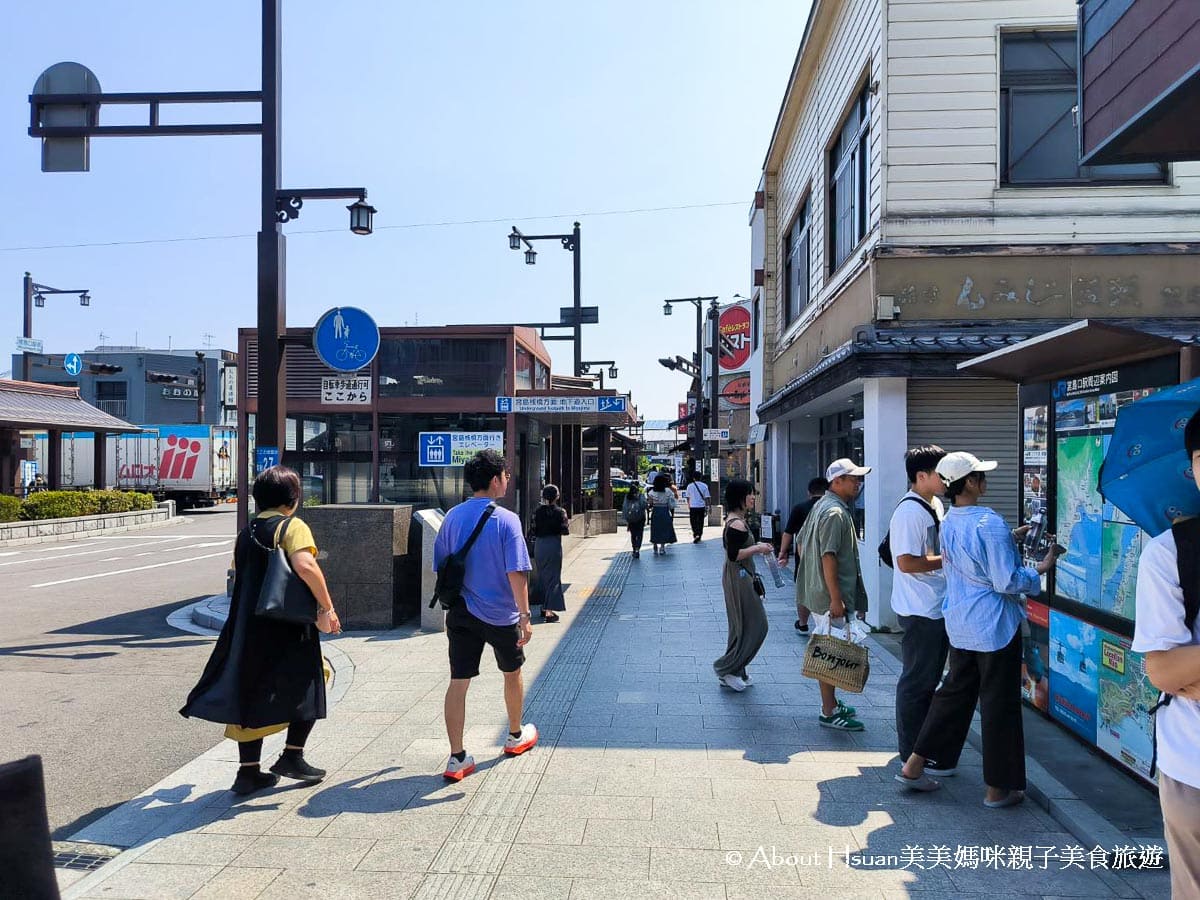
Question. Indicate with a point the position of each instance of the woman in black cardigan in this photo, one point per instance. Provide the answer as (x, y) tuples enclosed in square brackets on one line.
[(550, 523)]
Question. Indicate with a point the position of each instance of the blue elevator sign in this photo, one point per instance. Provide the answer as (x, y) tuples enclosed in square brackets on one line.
[(73, 364), (346, 339)]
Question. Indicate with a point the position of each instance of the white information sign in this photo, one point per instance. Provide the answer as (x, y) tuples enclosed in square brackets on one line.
[(348, 391), (716, 434), (29, 345), (437, 449)]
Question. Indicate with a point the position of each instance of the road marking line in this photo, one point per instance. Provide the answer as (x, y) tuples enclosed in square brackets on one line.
[(15, 562), (112, 558), (173, 562)]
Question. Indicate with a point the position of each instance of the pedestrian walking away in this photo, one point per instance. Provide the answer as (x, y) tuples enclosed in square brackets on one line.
[(662, 514), (796, 519), (493, 609), (983, 613), (267, 675), (550, 523), (830, 575), (634, 511), (741, 585), (918, 590), (698, 497), (1167, 631)]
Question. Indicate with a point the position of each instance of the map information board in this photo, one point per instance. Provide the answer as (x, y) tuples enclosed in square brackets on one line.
[(1124, 729)]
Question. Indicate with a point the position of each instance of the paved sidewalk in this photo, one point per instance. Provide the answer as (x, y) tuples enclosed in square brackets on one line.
[(651, 780)]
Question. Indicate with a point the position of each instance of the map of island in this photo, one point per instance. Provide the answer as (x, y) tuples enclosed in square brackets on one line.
[(1125, 697), (1079, 517)]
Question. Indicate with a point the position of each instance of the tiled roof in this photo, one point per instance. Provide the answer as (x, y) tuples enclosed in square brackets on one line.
[(954, 339), (26, 405)]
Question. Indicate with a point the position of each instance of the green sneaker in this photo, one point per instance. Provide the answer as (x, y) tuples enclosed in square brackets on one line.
[(841, 721), (843, 708)]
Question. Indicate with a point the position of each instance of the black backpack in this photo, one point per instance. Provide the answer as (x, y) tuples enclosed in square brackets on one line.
[(1187, 547), (447, 590), (885, 546)]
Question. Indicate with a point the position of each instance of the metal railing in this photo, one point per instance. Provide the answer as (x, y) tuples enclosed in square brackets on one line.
[(112, 407)]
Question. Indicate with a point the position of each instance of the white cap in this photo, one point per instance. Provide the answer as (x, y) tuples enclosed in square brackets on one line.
[(840, 467), (960, 464)]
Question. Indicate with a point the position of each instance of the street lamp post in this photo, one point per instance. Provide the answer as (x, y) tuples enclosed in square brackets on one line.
[(586, 368), (278, 205), (34, 294), (569, 242), (698, 419)]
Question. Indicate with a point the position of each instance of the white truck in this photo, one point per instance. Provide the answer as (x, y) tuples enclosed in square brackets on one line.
[(194, 465)]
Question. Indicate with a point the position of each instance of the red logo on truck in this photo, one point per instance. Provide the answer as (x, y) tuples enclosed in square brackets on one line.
[(180, 458)]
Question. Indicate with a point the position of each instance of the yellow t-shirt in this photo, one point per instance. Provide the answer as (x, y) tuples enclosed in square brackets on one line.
[(299, 536)]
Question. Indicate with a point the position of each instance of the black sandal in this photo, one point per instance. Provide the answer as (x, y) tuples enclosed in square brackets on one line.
[(549, 616)]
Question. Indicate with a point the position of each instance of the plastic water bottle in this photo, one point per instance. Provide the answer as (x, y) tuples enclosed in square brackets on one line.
[(776, 571)]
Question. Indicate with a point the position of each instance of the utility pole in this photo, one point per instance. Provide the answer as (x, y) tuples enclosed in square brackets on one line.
[(201, 384)]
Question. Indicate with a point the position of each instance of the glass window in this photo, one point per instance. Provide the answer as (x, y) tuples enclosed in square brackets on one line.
[(1039, 134), (442, 367), (848, 168), (402, 480), (841, 436), (332, 455), (524, 374), (797, 265), (541, 376)]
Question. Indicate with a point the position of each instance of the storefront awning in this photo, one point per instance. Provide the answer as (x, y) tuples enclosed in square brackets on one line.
[(41, 407), (1078, 347)]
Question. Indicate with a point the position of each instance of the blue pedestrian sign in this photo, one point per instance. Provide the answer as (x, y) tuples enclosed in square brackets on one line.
[(73, 364), (433, 448), (346, 339), (264, 458)]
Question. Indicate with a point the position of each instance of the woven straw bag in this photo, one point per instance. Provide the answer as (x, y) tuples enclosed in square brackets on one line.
[(837, 661)]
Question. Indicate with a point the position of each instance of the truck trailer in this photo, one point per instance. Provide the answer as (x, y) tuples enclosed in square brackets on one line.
[(194, 465)]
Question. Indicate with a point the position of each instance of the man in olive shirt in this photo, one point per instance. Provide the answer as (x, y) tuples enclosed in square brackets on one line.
[(830, 573)]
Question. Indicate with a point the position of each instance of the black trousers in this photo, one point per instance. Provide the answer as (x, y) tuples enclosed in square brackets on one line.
[(297, 735), (923, 650), (635, 535), (698, 516), (994, 680)]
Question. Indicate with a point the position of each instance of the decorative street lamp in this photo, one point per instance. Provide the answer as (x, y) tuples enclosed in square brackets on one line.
[(34, 294), (696, 423), (569, 242), (65, 115), (585, 368)]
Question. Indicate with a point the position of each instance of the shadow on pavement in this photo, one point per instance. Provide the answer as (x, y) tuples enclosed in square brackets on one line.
[(138, 629)]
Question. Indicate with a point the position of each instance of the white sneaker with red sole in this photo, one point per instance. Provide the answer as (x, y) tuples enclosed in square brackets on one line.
[(457, 771), (515, 746)]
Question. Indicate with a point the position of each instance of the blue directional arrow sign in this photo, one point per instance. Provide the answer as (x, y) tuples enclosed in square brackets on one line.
[(610, 404), (73, 364), (346, 339)]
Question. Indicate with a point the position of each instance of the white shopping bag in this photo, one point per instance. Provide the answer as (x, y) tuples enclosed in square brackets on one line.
[(854, 631)]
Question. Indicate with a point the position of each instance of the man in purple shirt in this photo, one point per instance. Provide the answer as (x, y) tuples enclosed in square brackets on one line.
[(495, 607)]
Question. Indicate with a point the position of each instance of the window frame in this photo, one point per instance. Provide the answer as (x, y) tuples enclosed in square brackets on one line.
[(848, 149), (1026, 81), (792, 311)]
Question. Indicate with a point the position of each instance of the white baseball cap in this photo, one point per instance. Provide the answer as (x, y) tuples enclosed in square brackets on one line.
[(960, 464), (843, 466)]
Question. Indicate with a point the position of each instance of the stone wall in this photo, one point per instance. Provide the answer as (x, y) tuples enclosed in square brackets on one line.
[(43, 530)]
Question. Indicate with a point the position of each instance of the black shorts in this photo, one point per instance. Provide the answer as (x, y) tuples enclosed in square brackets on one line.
[(468, 633)]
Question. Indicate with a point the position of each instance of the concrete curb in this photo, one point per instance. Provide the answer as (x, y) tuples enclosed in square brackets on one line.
[(85, 534), (201, 771)]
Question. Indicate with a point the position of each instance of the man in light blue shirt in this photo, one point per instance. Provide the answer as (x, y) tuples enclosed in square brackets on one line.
[(983, 612)]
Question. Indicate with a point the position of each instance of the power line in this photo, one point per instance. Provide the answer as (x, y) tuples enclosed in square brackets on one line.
[(404, 226)]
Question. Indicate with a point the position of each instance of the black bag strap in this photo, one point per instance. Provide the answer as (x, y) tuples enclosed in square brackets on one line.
[(280, 533), (929, 509), (487, 514)]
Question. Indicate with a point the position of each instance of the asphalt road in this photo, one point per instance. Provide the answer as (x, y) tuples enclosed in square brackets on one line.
[(91, 675)]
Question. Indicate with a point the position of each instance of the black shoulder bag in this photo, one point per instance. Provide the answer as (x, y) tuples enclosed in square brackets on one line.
[(1187, 550), (447, 590), (284, 596), (885, 546)]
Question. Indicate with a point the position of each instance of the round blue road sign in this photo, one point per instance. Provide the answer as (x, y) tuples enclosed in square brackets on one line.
[(73, 364), (346, 339)]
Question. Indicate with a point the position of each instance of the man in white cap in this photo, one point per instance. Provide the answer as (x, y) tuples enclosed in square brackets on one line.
[(830, 572)]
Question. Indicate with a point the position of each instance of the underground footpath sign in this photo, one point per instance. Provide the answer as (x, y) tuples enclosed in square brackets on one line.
[(346, 339), (436, 449), (716, 434), (561, 405)]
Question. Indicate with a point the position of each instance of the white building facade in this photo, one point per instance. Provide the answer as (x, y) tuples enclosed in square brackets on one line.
[(922, 203)]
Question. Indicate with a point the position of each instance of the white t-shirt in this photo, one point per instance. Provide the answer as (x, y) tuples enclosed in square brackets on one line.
[(1159, 626), (913, 533), (697, 495)]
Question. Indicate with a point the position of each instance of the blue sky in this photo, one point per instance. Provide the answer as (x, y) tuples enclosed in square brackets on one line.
[(447, 113)]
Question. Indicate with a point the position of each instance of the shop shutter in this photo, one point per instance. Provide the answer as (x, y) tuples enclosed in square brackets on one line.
[(978, 415)]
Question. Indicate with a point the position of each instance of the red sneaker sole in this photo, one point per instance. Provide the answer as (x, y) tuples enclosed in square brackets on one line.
[(520, 748), (459, 775)]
